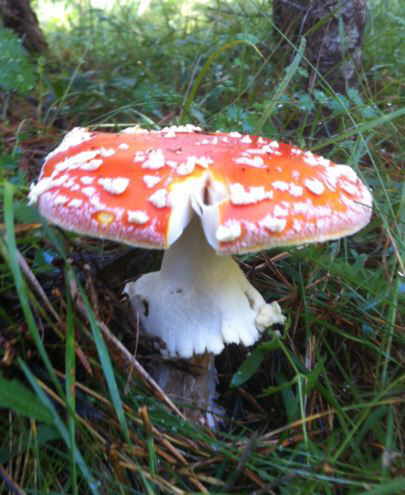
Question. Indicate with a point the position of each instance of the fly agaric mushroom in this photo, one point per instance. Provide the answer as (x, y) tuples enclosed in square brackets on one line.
[(198, 196)]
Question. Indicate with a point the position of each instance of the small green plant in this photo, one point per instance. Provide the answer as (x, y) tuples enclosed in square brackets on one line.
[(17, 71)]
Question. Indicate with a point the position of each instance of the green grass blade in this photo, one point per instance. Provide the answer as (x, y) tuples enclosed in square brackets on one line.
[(358, 129), (63, 431), (211, 59), (15, 396), (106, 363), (22, 290), (70, 379), (290, 72), (390, 488), (393, 308)]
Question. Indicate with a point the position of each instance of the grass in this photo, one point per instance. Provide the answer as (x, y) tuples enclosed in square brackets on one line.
[(318, 409)]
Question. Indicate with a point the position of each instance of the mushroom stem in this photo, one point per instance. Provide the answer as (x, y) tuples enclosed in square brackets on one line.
[(191, 383), (198, 302)]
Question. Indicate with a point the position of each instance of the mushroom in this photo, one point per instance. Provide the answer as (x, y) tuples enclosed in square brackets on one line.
[(201, 197)]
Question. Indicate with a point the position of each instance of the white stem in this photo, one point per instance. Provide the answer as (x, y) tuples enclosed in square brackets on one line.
[(199, 301)]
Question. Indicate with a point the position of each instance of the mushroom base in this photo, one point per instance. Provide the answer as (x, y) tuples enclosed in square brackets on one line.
[(191, 384), (197, 303)]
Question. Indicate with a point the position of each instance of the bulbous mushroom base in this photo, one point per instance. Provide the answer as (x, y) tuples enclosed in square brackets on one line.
[(195, 304)]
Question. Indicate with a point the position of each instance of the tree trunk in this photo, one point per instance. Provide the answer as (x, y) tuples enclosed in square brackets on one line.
[(334, 31), (19, 16)]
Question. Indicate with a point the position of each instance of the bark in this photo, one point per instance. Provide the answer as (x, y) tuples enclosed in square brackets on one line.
[(19, 16), (333, 30)]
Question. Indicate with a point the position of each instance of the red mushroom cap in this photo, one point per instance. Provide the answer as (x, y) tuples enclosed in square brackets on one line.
[(141, 187)]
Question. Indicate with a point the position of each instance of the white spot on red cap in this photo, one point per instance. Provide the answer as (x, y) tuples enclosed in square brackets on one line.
[(137, 216), (69, 183), (235, 134), (155, 160), (61, 180), (139, 156), (310, 158), (333, 174), (346, 171), (274, 224), (96, 202), (296, 190), (40, 187), (79, 160), (76, 136), (87, 180), (135, 130), (151, 180), (114, 185), (255, 151), (320, 211), (75, 203), (315, 186), (324, 161), (181, 128), (271, 148), (244, 196), (159, 198), (123, 146), (204, 161), (349, 187), (256, 162), (89, 191), (187, 167), (91, 164), (280, 211), (60, 200), (297, 225), (246, 139), (228, 232), (106, 152), (303, 208), (296, 151), (169, 133), (281, 185)]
